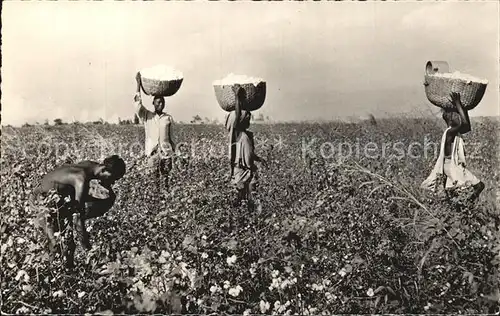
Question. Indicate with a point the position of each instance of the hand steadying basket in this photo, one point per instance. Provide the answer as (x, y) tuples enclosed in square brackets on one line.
[(255, 92), (439, 83), (161, 81)]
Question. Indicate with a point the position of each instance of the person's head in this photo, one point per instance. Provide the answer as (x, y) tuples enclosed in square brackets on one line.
[(113, 168), (159, 103), (451, 118), (242, 125)]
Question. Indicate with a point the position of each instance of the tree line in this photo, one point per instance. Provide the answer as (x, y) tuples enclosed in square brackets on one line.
[(196, 119)]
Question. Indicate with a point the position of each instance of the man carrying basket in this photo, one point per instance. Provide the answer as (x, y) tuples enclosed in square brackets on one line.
[(242, 149), (450, 169), (158, 135)]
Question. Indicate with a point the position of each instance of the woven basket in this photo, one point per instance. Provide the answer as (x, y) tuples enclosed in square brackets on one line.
[(97, 191), (438, 89), (254, 96), (164, 88), (101, 200)]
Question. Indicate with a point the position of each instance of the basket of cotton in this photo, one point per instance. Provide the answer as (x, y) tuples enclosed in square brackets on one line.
[(161, 80), (440, 82), (255, 92), (101, 199), (98, 191)]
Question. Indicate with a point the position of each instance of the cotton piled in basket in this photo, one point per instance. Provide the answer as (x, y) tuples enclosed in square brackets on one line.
[(97, 191), (255, 92), (457, 75), (161, 80), (232, 79), (440, 82)]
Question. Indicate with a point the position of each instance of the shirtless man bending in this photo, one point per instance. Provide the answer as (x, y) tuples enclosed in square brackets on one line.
[(64, 196)]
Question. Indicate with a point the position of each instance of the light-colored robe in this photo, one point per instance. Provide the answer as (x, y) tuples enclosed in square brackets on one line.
[(454, 168)]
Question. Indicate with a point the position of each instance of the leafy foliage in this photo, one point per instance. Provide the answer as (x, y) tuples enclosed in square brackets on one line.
[(326, 235)]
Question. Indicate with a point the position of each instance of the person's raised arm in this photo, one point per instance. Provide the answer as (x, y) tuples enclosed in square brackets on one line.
[(237, 116), (466, 128), (237, 108), (464, 118), (140, 110), (138, 81)]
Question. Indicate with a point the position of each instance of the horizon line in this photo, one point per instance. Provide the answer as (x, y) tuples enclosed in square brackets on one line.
[(271, 121)]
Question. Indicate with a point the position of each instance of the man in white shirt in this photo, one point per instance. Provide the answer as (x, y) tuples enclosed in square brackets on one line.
[(158, 139)]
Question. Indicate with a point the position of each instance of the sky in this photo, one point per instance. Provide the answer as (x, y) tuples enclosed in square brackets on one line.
[(321, 60)]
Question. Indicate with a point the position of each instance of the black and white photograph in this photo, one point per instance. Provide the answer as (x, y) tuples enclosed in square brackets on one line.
[(250, 157)]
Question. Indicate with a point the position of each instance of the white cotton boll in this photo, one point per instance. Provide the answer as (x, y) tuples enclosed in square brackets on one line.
[(59, 293), (215, 289), (162, 72), (235, 291), (240, 79), (22, 275), (264, 306), (462, 76), (231, 260), (370, 292)]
